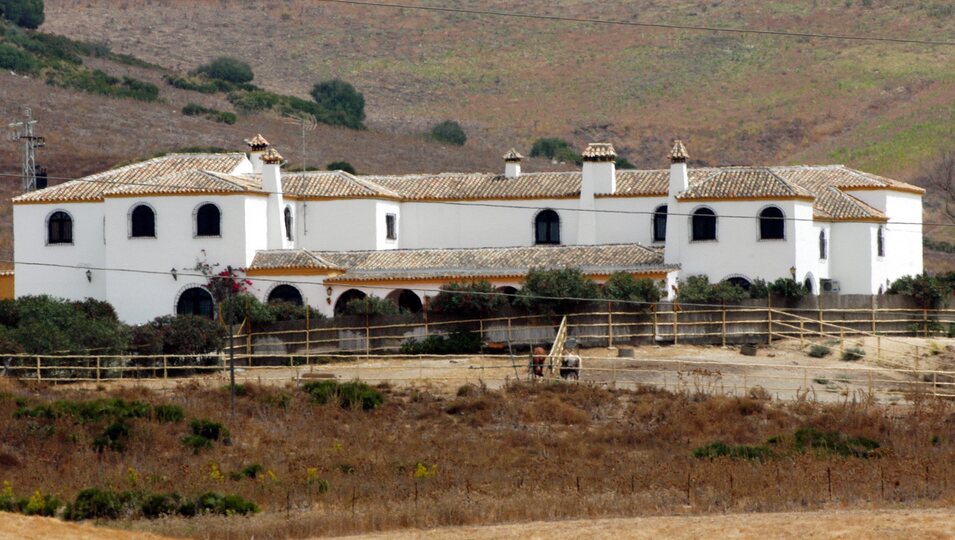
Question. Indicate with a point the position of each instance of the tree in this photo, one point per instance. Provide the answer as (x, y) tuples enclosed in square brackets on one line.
[(626, 287), (475, 299), (556, 290), (699, 290), (227, 69), (25, 13), (341, 166), (929, 291), (941, 180), (338, 96), (370, 306), (624, 163), (449, 132)]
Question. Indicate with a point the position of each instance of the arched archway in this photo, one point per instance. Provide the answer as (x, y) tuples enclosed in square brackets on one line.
[(809, 283), (195, 301), (739, 281), (405, 299), (345, 298), (511, 293), (286, 293)]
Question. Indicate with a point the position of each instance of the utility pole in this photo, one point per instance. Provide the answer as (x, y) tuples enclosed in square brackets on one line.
[(230, 313), (23, 131)]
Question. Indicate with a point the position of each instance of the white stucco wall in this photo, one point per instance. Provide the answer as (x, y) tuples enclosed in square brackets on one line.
[(339, 225), (626, 220)]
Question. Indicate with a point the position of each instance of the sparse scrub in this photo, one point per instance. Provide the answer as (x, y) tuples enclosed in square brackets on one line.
[(193, 109), (371, 306), (349, 394), (227, 69), (468, 299), (720, 449), (852, 354), (99, 82), (819, 351), (341, 166), (457, 342), (449, 132), (17, 60)]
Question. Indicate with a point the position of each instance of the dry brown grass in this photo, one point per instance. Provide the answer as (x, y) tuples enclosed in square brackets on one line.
[(527, 452)]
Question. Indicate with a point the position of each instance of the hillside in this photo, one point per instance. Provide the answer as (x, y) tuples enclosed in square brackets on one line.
[(736, 99)]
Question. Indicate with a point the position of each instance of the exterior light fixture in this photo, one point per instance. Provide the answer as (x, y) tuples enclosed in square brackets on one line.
[(328, 291), (792, 271), (175, 274), (89, 276)]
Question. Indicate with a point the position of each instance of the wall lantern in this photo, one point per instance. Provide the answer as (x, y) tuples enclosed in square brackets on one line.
[(175, 274), (792, 271), (328, 291), (89, 276)]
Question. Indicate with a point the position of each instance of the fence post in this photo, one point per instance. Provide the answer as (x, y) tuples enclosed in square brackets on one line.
[(802, 330), (481, 328), (508, 331), (308, 328), (97, 368), (874, 314), (165, 367), (676, 324), (723, 331), (878, 346), (655, 331), (820, 317), (769, 319), (609, 324), (38, 376), (925, 321), (842, 339), (248, 344)]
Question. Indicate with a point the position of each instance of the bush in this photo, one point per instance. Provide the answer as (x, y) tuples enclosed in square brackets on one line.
[(41, 504), (194, 109), (287, 311), (338, 96), (253, 101), (20, 61), (626, 287), (239, 307), (94, 503), (84, 412), (556, 290), (834, 442), (249, 471), (474, 299), (189, 334), (25, 13), (98, 82), (371, 306), (348, 395), (160, 504), (819, 351), (168, 413), (852, 354), (45, 325), (208, 429), (341, 166), (228, 505), (699, 290), (929, 291), (624, 163), (227, 69), (787, 288), (457, 342), (196, 443), (721, 449), (195, 85), (550, 147), (449, 132)]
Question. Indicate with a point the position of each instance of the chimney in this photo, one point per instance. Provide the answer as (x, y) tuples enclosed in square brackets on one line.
[(512, 164), (257, 146), (599, 174), (679, 181), (271, 163)]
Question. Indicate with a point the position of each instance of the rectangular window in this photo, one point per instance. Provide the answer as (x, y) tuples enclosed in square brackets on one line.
[(391, 226)]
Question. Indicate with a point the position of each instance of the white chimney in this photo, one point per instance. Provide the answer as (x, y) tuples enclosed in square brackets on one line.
[(512, 164), (277, 238), (679, 181), (599, 174), (257, 146)]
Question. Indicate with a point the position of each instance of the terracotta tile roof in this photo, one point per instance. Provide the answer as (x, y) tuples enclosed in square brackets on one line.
[(94, 187), (321, 184), (187, 182), (257, 143), (741, 182), (463, 263), (288, 258), (481, 185), (678, 153), (599, 152), (827, 184), (272, 156), (512, 155)]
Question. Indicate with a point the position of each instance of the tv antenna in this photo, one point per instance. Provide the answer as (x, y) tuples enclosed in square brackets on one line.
[(307, 124), (22, 131)]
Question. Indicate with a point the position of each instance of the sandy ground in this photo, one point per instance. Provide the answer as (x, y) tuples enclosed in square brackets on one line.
[(885, 524), (784, 370), (18, 527)]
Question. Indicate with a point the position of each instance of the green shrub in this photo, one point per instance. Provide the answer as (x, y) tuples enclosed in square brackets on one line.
[(98, 82), (239, 307), (371, 306), (196, 443), (189, 334), (227, 69), (852, 354), (193, 84), (819, 351), (787, 288), (624, 163), (168, 413), (341, 166), (550, 147), (194, 109), (160, 504), (225, 117), (348, 395), (208, 429), (457, 342), (556, 290), (929, 291), (468, 299), (338, 96), (228, 505), (626, 287), (114, 437), (25, 13), (253, 101), (17, 60), (94, 503), (449, 132), (45, 325), (84, 412), (249, 471), (40, 504), (287, 311), (699, 290), (721, 449), (834, 442)]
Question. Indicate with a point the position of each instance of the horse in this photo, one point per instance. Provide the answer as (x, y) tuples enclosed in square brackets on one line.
[(537, 361), (570, 366)]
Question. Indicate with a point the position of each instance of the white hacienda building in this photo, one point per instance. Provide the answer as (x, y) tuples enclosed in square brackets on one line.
[(134, 235)]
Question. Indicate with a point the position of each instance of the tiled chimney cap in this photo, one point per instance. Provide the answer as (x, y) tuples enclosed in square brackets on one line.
[(257, 143), (272, 157), (512, 155), (599, 152), (678, 154)]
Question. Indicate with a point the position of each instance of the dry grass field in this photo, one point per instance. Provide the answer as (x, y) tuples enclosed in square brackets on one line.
[(522, 453)]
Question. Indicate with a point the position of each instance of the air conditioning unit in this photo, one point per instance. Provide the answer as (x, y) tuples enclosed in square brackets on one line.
[(829, 286)]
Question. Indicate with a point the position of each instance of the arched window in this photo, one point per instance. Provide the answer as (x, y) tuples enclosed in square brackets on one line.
[(288, 223), (59, 228), (406, 300), (143, 222), (772, 224), (286, 293), (880, 241), (547, 227), (195, 301), (823, 246), (660, 224), (704, 224), (208, 220)]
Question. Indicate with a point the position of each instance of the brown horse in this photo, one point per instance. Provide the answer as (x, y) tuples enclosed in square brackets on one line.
[(537, 361)]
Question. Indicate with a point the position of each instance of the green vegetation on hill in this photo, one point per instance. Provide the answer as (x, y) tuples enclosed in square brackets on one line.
[(25, 13)]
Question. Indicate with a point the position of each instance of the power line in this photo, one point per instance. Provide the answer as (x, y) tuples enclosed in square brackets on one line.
[(505, 206), (667, 26)]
